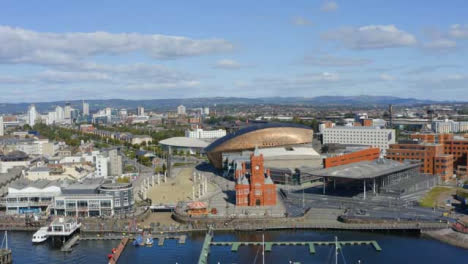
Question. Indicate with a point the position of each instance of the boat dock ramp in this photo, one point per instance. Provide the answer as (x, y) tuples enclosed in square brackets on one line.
[(67, 247)]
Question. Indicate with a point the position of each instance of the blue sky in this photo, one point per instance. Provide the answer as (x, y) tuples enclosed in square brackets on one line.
[(63, 50)]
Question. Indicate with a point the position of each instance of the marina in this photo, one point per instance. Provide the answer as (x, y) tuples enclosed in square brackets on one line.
[(393, 248)]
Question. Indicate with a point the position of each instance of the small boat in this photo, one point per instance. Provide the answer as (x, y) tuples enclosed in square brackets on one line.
[(149, 241), (138, 241), (40, 235)]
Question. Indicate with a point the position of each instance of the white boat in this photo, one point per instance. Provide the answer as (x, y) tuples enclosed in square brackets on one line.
[(149, 241), (40, 235)]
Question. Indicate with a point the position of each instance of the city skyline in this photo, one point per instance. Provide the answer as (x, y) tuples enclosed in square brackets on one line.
[(143, 50)]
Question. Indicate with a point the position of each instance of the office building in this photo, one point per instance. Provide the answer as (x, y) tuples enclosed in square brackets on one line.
[(32, 115), (367, 136), (432, 155), (59, 114), (181, 110), (67, 111), (205, 134), (85, 109), (141, 111), (115, 162), (2, 132), (101, 166)]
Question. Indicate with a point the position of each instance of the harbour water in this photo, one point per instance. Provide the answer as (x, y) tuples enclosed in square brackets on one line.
[(396, 248)]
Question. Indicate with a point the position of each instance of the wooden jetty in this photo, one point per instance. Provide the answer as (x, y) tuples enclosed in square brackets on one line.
[(268, 245), (119, 249)]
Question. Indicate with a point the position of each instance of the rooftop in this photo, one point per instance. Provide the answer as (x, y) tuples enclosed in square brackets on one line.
[(184, 142), (39, 169), (362, 170), (356, 127), (249, 129), (39, 184)]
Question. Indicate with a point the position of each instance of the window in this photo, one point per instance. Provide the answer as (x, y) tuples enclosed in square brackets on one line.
[(106, 203)]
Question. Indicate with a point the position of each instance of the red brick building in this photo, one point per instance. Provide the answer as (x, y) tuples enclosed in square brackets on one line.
[(255, 188), (441, 154), (357, 156)]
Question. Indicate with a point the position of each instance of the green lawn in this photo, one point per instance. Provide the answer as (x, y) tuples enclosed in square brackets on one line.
[(431, 197)]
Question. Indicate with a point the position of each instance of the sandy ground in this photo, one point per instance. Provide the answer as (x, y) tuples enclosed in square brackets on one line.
[(162, 218), (175, 189)]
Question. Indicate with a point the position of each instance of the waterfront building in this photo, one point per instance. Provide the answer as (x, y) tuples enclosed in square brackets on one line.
[(441, 154), (370, 136), (205, 134), (84, 205), (265, 135), (434, 160), (381, 176), (347, 158), (82, 199), (254, 188), (25, 197), (122, 194)]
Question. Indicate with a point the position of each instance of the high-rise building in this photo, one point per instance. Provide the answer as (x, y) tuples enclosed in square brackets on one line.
[(32, 115), (67, 111), (115, 161), (206, 111), (181, 110), (101, 166), (123, 113), (59, 114), (85, 109), (141, 111), (1, 127)]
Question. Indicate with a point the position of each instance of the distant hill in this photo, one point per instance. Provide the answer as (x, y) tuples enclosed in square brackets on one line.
[(165, 104)]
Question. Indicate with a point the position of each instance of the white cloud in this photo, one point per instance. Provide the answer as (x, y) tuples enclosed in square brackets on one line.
[(67, 77), (458, 31), (371, 37), (387, 77), (26, 46), (227, 64), (301, 21), (332, 61), (440, 44), (323, 76), (329, 6)]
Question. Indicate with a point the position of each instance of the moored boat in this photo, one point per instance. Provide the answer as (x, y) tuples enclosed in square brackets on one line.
[(40, 235)]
